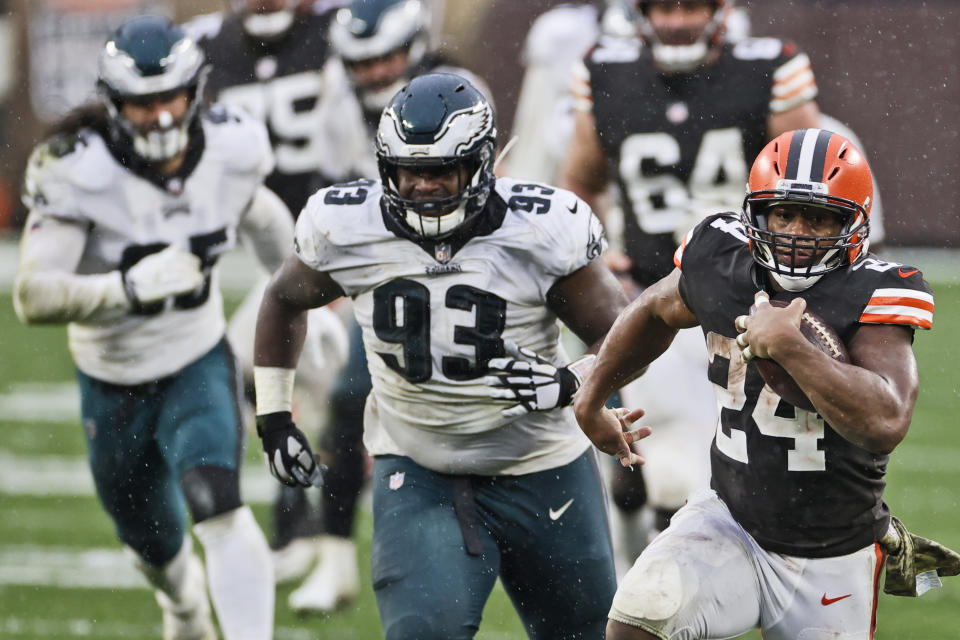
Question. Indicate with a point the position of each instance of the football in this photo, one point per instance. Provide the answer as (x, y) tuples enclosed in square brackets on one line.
[(818, 333)]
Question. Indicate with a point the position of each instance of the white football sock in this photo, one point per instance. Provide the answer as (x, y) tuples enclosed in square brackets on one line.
[(181, 592), (240, 573)]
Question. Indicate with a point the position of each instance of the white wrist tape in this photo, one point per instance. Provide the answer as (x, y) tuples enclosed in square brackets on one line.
[(582, 367), (274, 388)]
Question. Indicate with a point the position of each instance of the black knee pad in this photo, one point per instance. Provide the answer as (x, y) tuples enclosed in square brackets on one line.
[(628, 490), (661, 517), (210, 491), (414, 626)]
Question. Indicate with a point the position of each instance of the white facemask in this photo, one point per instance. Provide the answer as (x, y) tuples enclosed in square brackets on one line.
[(434, 226), (163, 143)]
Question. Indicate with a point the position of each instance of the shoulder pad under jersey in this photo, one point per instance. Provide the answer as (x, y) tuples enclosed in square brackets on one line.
[(240, 141), (566, 234), (61, 166), (337, 218), (615, 49)]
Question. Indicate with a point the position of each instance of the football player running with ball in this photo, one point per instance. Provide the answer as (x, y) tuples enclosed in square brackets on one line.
[(449, 269), (677, 114), (131, 203), (794, 532)]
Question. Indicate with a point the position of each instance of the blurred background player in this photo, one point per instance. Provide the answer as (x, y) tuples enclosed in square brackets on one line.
[(377, 47), (268, 58), (674, 113), (132, 202)]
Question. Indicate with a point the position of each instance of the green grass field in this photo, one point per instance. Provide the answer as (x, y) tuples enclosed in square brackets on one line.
[(62, 574)]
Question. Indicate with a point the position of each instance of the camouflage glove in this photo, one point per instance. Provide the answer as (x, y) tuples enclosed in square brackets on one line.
[(915, 564)]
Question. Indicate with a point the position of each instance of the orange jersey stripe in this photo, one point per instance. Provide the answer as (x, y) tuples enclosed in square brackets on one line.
[(881, 556), (877, 318), (796, 92), (903, 302)]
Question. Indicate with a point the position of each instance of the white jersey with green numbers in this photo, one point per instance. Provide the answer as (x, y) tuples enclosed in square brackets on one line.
[(434, 313), (129, 216)]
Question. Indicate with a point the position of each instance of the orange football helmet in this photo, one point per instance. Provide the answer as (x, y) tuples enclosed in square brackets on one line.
[(811, 167)]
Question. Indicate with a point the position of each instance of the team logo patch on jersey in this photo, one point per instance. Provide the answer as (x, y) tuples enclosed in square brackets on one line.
[(396, 480), (175, 186), (678, 112), (442, 253)]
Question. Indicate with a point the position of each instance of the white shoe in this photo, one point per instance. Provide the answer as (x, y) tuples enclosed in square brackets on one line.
[(190, 618), (295, 560), (335, 581)]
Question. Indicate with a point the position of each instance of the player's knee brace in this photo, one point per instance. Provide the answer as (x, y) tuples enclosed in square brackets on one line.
[(210, 491)]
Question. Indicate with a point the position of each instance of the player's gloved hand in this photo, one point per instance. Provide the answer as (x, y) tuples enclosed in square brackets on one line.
[(287, 451), (915, 564), (163, 274), (531, 381)]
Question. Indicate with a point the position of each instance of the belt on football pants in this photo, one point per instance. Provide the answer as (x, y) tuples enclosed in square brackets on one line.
[(465, 507)]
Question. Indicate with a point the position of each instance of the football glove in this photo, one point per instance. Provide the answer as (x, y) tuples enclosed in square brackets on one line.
[(915, 564), (170, 272), (287, 451), (531, 381)]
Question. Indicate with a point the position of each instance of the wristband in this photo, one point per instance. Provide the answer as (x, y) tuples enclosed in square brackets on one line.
[(581, 368), (274, 389)]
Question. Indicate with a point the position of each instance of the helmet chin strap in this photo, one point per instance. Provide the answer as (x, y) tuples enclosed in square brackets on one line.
[(268, 25)]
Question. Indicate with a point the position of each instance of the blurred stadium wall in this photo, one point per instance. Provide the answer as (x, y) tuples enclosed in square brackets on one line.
[(888, 68)]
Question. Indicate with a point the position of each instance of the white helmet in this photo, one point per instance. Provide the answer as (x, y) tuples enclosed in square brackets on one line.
[(439, 121), (369, 29), (146, 59)]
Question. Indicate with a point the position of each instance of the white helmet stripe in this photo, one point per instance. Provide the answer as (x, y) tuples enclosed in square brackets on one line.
[(807, 155), (807, 148)]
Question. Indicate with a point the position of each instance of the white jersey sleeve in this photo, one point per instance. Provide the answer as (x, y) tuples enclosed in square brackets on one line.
[(268, 227), (543, 122)]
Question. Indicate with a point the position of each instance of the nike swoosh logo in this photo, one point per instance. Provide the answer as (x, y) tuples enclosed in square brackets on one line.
[(828, 601), (576, 205), (555, 515), (906, 274)]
